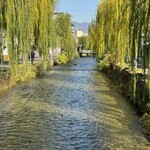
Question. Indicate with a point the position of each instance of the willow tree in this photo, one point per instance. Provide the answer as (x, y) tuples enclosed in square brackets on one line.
[(92, 36), (139, 32), (2, 24), (122, 28), (139, 22), (64, 32), (28, 23), (84, 40), (111, 32)]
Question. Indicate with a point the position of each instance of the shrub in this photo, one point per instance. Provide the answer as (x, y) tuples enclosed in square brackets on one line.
[(102, 65), (25, 71), (76, 55), (39, 68), (62, 59)]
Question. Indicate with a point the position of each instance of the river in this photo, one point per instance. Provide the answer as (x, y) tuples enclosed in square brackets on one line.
[(70, 107)]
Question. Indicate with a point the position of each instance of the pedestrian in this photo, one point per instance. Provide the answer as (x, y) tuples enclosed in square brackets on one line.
[(32, 56)]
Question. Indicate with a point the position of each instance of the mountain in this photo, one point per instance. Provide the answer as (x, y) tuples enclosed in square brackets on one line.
[(81, 26)]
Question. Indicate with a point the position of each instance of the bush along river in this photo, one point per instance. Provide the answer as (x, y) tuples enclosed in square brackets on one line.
[(69, 107)]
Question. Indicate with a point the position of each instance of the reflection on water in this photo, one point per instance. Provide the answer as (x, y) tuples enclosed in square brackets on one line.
[(70, 107)]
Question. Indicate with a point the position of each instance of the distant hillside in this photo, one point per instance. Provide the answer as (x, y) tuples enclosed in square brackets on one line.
[(81, 26)]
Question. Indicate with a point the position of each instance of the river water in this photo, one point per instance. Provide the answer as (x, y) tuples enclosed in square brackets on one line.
[(70, 107)]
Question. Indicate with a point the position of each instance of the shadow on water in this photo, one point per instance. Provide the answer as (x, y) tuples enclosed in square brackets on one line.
[(68, 110)]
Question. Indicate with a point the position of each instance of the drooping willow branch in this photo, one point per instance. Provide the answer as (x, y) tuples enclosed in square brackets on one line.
[(27, 22), (123, 29)]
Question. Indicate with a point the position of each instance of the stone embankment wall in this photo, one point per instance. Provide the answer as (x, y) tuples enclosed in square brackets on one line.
[(130, 85), (4, 75), (4, 78)]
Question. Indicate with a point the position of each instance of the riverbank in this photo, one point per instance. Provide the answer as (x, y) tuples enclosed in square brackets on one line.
[(25, 72), (137, 93)]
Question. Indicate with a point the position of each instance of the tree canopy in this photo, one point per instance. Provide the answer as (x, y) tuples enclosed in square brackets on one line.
[(64, 34), (122, 28), (31, 23)]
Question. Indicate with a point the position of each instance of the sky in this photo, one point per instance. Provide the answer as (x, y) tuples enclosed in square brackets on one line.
[(81, 10)]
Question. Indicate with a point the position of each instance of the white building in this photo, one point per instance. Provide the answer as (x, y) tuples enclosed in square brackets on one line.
[(79, 33)]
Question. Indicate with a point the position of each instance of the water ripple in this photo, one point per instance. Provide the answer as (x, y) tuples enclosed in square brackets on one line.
[(68, 108)]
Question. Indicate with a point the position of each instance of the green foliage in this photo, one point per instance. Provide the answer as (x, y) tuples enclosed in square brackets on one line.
[(62, 59), (3, 6), (27, 22), (76, 55), (65, 38), (92, 36), (120, 28), (39, 68), (84, 41), (32, 22), (25, 72), (102, 65), (145, 121)]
